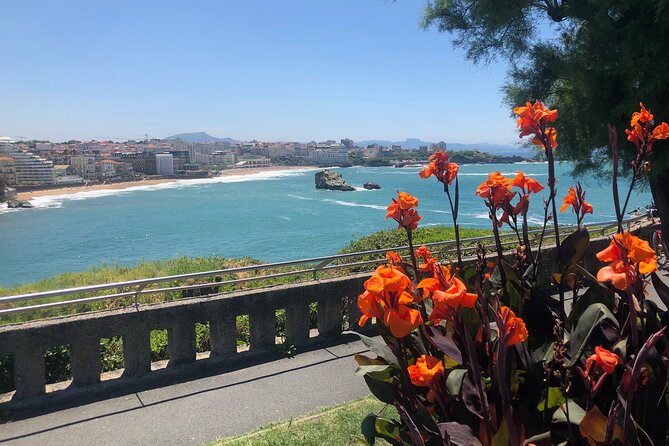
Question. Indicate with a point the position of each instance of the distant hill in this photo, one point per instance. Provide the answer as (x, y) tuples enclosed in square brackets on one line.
[(198, 137), (409, 143), (414, 143)]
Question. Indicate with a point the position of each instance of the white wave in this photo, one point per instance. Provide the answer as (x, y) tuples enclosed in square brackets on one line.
[(298, 197), (361, 189), (53, 201), (438, 211), (349, 203), (535, 220)]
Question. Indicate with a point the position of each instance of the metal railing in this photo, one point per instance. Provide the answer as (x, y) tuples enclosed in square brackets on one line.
[(311, 266)]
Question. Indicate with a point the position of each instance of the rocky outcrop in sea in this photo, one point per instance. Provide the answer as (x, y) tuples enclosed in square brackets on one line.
[(327, 179)]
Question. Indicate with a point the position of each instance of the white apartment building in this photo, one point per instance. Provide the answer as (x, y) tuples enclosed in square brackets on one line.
[(164, 164), (253, 163), (31, 170), (328, 156)]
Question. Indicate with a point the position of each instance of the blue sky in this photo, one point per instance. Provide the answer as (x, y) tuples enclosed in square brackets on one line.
[(290, 70)]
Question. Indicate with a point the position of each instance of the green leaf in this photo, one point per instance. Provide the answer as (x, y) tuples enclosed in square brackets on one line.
[(367, 428), (555, 399), (592, 296), (574, 247), (576, 413), (501, 437), (383, 390), (380, 370), (454, 381), (388, 429), (585, 326), (376, 346)]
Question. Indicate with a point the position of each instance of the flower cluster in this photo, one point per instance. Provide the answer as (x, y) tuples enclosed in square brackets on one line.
[(401, 209), (387, 297), (447, 293), (444, 170), (533, 120), (627, 254), (641, 134), (576, 200)]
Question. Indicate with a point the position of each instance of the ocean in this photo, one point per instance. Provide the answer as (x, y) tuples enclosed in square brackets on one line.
[(271, 216)]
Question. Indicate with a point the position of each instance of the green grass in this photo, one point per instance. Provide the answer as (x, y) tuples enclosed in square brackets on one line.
[(336, 425)]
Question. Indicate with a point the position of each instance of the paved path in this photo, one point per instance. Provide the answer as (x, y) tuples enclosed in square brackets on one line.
[(202, 410)]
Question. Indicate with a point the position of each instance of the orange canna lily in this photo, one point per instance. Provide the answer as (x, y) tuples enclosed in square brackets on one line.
[(426, 372), (455, 296), (444, 170), (394, 258), (526, 184), (402, 320), (496, 189), (641, 134), (604, 359), (621, 271), (533, 120), (514, 327), (387, 296), (576, 199), (401, 210), (406, 201)]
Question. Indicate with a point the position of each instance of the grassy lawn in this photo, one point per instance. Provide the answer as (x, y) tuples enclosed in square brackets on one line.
[(336, 425)]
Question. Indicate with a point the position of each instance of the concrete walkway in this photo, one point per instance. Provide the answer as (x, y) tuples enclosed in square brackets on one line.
[(202, 410)]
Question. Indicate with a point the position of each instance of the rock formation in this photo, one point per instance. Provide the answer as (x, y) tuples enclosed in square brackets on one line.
[(326, 179), (369, 186)]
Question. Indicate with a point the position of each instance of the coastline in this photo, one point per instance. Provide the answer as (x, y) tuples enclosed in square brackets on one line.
[(30, 195)]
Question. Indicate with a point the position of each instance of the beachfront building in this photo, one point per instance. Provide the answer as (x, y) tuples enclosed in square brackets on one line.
[(31, 170), (328, 157), (142, 162), (164, 164), (7, 170), (222, 158), (84, 166), (253, 163)]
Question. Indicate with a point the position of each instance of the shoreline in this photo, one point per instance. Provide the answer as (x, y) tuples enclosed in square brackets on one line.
[(31, 195)]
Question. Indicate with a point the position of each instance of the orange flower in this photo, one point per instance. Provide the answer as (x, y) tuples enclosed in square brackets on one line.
[(427, 261), (394, 258), (455, 296), (388, 292), (526, 184), (426, 372), (603, 359), (406, 201), (533, 120), (448, 292), (401, 210), (496, 189), (626, 254), (576, 199), (641, 134), (514, 327), (402, 320), (444, 170)]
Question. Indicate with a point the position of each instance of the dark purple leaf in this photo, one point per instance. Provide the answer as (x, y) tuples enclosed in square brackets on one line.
[(444, 343), (459, 434), (416, 437), (661, 289)]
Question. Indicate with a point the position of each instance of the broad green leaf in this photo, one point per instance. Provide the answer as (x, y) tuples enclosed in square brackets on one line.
[(367, 428), (382, 390), (388, 429), (381, 370), (454, 381), (576, 413), (574, 247), (377, 346), (593, 427), (584, 328), (555, 399)]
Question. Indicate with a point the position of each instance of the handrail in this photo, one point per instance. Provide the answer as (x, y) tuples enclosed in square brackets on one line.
[(321, 264)]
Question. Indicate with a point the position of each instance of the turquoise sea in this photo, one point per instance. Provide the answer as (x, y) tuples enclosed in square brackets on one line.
[(271, 216)]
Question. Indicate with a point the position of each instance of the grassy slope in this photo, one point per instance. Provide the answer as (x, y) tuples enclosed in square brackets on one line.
[(336, 425)]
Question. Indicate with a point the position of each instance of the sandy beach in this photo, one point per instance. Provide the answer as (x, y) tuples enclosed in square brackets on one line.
[(29, 195)]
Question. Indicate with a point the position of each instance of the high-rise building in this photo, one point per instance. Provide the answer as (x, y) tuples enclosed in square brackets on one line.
[(164, 164), (31, 170)]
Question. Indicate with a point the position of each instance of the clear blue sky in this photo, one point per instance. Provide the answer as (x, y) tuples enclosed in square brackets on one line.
[(291, 70)]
